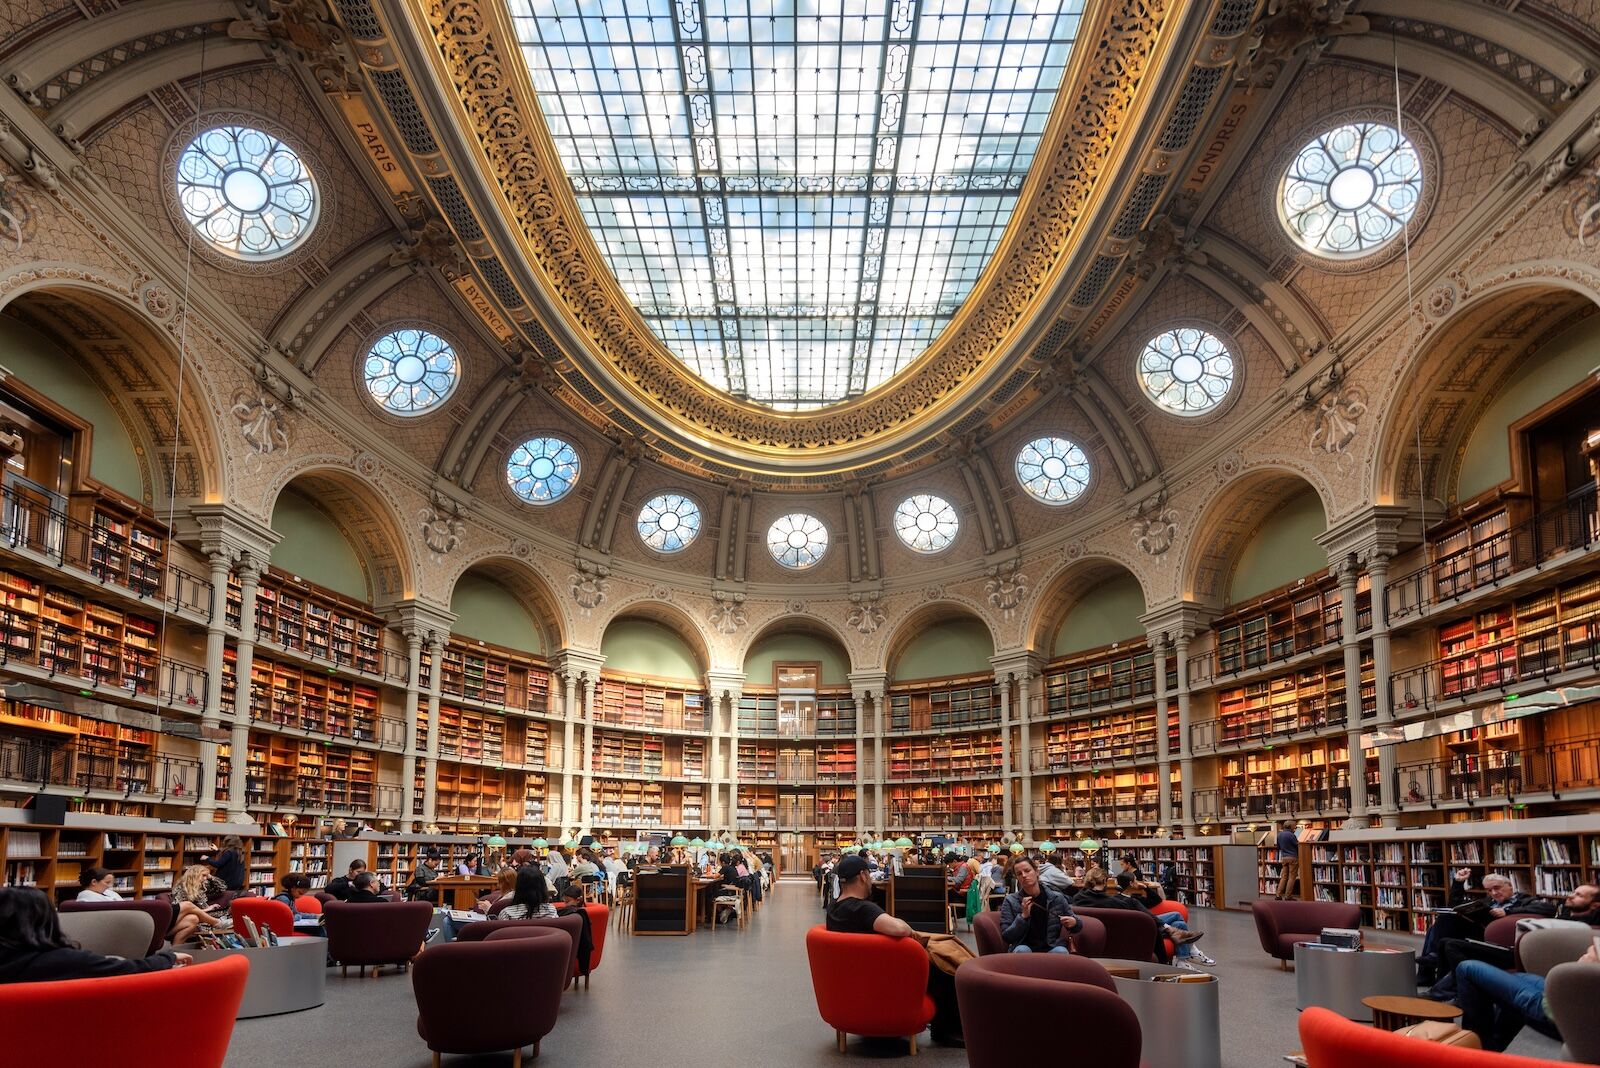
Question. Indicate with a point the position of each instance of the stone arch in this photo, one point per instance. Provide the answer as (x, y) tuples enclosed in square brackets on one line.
[(804, 622), (1455, 370), (1070, 583), (937, 611), (527, 586), (669, 615), (365, 514), (1223, 528), (126, 343)]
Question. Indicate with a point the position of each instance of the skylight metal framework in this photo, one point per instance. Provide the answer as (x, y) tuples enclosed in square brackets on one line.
[(797, 197)]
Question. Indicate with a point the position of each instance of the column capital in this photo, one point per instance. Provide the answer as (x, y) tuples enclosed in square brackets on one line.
[(429, 621), (226, 528), (868, 685), (1019, 664), (1377, 530), (729, 684), (577, 664), (1176, 621), (250, 568)]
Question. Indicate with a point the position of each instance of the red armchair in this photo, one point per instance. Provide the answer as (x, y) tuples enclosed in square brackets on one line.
[(1074, 994), (1331, 1041), (458, 1012), (263, 912), (1281, 924), (376, 934), (1130, 933), (870, 985), (599, 920), (158, 908), (39, 1020), (1090, 936)]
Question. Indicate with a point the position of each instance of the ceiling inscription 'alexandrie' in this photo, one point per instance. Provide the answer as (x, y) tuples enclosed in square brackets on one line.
[(797, 198)]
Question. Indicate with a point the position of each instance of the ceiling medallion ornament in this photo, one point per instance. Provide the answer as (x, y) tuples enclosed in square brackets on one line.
[(866, 612), (727, 614), (487, 82), (1006, 588)]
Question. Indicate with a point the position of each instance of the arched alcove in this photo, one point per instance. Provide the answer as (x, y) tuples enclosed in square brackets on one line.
[(939, 641), (1282, 548), (797, 640), (327, 518), (311, 546), (501, 600), (1263, 519), (638, 644)]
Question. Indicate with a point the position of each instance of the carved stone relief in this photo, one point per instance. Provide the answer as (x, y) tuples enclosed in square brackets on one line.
[(1006, 587), (727, 613)]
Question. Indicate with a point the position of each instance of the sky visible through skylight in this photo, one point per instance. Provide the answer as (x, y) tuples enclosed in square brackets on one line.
[(797, 197)]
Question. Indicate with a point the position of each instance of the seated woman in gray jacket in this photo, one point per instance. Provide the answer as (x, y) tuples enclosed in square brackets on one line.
[(1035, 919)]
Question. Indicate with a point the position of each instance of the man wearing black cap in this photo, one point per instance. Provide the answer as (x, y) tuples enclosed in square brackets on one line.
[(854, 912)]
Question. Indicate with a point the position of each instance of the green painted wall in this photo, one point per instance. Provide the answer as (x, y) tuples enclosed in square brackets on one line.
[(954, 647), (803, 647), (1109, 613), (1550, 372), (648, 648), (43, 366), (486, 610), (1283, 548), (313, 548)]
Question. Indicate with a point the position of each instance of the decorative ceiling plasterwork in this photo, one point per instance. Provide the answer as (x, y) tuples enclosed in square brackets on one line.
[(1123, 65)]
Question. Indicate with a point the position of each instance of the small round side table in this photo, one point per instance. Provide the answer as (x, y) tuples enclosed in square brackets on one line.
[(1391, 1012)]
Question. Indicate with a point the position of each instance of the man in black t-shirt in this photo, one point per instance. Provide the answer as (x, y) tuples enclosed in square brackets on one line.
[(854, 912)]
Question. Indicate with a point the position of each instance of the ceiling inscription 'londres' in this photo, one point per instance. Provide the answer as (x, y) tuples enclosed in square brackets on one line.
[(550, 186), (797, 200)]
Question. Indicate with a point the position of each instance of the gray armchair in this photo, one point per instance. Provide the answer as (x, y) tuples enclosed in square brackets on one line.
[(118, 933)]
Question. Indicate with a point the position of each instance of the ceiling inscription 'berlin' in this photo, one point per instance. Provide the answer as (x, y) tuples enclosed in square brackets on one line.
[(797, 197)]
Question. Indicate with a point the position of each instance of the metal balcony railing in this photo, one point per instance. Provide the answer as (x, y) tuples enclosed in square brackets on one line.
[(1500, 775), (72, 653), (134, 775), (1574, 647)]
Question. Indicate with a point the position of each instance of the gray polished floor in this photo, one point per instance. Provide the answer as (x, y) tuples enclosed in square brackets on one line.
[(733, 998)]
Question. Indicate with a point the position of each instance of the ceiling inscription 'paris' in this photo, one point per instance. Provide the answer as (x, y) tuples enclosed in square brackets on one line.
[(797, 197)]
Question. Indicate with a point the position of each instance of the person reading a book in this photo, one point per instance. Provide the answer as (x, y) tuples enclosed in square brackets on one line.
[(1035, 918), (296, 888), (1580, 906), (198, 899), (33, 948), (1469, 916), (96, 885)]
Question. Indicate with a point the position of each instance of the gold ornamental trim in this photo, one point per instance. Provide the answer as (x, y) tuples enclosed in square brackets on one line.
[(496, 107)]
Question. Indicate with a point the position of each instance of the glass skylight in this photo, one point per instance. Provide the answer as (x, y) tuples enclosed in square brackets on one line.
[(797, 198), (1053, 470), (927, 524), (797, 540), (669, 522), (246, 192), (542, 470), (410, 371)]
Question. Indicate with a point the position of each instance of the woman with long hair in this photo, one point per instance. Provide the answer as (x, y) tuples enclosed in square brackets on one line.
[(530, 899), (196, 898), (228, 863), (33, 948)]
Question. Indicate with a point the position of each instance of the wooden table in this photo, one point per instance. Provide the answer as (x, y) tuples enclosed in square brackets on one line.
[(1390, 1012), (461, 891)]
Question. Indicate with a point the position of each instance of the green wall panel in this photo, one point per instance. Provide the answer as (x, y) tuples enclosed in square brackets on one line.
[(313, 547), (43, 366), (798, 646), (648, 648), (1282, 549), (954, 647), (1108, 613), (487, 611)]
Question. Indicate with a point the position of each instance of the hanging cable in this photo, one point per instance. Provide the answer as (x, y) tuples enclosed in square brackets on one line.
[(1411, 299)]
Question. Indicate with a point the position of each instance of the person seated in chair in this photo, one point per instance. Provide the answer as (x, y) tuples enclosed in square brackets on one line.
[(530, 899), (1036, 919), (366, 890), (1504, 900), (33, 948), (96, 885), (572, 905), (340, 887), (1580, 906), (296, 888), (854, 912), (1495, 1004), (1094, 896)]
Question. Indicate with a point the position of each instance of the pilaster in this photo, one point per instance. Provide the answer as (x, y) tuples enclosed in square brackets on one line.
[(868, 689), (725, 689), (1175, 624)]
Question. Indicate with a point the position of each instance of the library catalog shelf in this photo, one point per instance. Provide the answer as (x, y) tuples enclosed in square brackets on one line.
[(108, 767), (1484, 551), (1550, 657), (111, 552), (944, 705), (1493, 774)]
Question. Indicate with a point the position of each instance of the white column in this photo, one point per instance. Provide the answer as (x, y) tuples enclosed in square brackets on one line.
[(1158, 647), (860, 697), (1180, 646), (1003, 681), (584, 754), (1347, 571), (1382, 667), (211, 715), (569, 748), (408, 763), (730, 782), (244, 662), (1025, 744), (430, 769)]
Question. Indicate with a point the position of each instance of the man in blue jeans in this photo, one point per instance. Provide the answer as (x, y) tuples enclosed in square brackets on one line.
[(1496, 1003), (1035, 919)]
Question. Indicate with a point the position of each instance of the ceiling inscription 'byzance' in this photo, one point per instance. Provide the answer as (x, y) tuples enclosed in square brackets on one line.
[(796, 200), (561, 270)]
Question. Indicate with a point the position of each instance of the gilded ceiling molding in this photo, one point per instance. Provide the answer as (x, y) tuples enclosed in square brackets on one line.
[(1124, 59)]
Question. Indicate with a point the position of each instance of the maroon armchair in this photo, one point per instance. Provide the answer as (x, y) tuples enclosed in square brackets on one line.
[(1281, 924), (986, 931), (1073, 993), (870, 985), (1130, 933), (159, 909), (375, 934), (572, 925), (465, 1006), (1503, 932), (1090, 936)]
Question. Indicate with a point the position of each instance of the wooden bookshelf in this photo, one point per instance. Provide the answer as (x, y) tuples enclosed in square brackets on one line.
[(145, 864), (304, 698), (85, 753), (125, 546), (1309, 698), (1277, 626), (313, 622), (834, 715), (932, 806), (944, 704), (649, 704), (1102, 678), (1118, 737), (283, 772), (756, 812), (1197, 871), (68, 635), (821, 807), (491, 676), (757, 762), (819, 762), (1092, 797), (946, 756), (1471, 551), (1291, 779)]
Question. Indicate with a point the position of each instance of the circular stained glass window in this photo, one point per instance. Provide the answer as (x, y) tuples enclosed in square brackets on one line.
[(926, 523), (797, 540), (669, 522), (1186, 370), (542, 470), (246, 192), (1053, 470), (410, 371), (1351, 190)]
